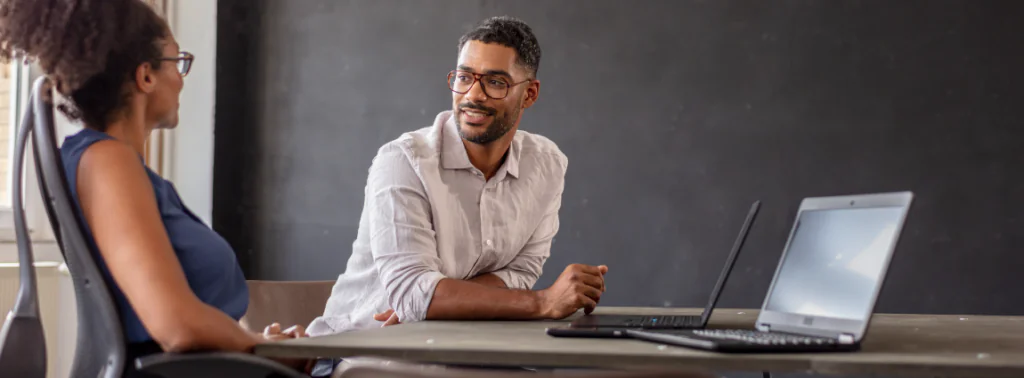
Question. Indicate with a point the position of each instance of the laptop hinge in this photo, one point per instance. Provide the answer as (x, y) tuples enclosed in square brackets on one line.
[(764, 327), (845, 338)]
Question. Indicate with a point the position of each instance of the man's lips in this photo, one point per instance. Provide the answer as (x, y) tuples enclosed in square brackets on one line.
[(471, 115)]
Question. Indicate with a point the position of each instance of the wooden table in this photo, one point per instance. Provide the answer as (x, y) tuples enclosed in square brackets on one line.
[(895, 345)]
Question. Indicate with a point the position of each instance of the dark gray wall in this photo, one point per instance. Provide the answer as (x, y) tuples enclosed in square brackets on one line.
[(675, 115)]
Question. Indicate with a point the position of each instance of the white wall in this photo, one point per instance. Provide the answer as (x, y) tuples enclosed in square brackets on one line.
[(195, 27)]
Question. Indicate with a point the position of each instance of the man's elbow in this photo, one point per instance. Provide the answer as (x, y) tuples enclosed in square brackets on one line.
[(411, 298)]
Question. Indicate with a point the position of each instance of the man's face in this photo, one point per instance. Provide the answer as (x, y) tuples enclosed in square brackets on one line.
[(492, 107)]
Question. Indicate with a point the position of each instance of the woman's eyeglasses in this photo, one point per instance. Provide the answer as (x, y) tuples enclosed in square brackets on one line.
[(184, 62)]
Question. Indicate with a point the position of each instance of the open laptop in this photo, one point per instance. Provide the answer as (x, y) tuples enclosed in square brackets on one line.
[(826, 284), (677, 321)]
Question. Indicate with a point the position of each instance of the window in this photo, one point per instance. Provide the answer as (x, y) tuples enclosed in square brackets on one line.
[(8, 85), (13, 95)]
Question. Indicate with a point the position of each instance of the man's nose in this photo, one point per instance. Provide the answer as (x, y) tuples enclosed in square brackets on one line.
[(476, 93)]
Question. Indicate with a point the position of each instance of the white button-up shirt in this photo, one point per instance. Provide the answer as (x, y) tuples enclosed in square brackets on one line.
[(429, 214)]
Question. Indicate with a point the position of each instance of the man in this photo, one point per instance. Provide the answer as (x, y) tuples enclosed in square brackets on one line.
[(459, 217)]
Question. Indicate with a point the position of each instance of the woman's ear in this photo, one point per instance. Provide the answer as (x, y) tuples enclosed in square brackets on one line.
[(145, 78)]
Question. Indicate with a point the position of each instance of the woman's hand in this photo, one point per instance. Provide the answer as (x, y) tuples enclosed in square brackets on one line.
[(273, 332)]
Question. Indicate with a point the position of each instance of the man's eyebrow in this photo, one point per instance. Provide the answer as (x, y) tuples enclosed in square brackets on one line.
[(488, 72), (499, 72)]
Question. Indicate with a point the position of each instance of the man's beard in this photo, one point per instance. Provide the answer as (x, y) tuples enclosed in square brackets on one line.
[(498, 127)]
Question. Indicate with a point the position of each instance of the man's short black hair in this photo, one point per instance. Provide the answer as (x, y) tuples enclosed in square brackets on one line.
[(509, 32)]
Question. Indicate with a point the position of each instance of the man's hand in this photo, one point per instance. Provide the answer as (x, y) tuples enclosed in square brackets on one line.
[(578, 286), (389, 318)]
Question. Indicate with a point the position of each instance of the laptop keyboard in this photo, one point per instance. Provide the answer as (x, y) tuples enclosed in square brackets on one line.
[(763, 338), (669, 321)]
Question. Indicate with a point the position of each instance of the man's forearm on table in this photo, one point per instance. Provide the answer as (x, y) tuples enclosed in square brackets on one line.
[(468, 300)]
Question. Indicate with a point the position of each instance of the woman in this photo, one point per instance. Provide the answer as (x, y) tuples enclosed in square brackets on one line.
[(176, 282)]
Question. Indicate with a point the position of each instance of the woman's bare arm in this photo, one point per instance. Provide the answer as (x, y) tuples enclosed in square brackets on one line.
[(118, 204)]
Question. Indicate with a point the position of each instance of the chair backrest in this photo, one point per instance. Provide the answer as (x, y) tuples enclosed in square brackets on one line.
[(22, 343), (100, 349), (285, 302)]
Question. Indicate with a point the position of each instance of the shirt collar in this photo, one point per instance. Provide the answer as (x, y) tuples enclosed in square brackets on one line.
[(454, 156)]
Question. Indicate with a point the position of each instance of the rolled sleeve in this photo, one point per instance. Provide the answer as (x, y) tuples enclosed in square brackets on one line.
[(402, 239), (523, 272)]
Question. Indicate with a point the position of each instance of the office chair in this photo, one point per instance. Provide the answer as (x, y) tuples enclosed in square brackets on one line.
[(100, 350)]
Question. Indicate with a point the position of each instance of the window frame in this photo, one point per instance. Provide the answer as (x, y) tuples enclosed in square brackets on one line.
[(17, 100), (22, 75)]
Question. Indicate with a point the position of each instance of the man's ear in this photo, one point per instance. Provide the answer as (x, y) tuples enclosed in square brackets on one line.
[(532, 93), (145, 78)]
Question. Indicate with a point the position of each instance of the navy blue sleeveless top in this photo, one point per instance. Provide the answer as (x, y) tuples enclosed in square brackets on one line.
[(208, 261)]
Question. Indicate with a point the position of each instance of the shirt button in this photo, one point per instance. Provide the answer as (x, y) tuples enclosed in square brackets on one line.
[(489, 243)]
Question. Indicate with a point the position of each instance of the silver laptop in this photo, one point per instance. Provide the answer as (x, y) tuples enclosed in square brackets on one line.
[(826, 284)]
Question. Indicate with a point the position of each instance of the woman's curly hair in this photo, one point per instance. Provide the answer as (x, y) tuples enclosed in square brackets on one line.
[(88, 48)]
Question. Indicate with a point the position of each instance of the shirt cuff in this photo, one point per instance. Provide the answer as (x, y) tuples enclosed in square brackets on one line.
[(510, 278), (418, 300)]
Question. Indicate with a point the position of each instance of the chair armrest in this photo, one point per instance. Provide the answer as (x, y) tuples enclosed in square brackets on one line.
[(213, 364)]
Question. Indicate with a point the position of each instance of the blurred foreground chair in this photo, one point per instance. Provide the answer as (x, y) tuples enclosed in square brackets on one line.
[(413, 372)]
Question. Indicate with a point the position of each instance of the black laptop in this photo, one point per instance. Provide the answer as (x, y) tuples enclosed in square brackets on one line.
[(651, 321)]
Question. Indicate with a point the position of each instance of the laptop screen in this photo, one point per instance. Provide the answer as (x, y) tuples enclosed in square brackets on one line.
[(834, 262)]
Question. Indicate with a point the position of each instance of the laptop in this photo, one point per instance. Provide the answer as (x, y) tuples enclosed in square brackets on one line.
[(591, 321), (826, 284)]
